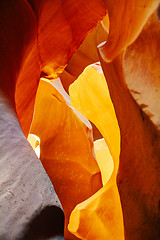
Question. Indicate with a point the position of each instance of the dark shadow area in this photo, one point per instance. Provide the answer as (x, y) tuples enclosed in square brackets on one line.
[(96, 132), (48, 224), (32, 5), (158, 12)]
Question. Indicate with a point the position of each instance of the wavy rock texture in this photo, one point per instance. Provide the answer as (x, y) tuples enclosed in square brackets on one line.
[(38, 38), (104, 159), (90, 96), (100, 215), (61, 27), (35, 36), (142, 69), (26, 191), (17, 38), (66, 147), (138, 174), (138, 178), (85, 55), (126, 20)]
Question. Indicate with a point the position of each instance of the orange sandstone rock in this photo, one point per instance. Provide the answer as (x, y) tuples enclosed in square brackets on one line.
[(126, 20), (66, 147), (17, 36), (104, 159), (138, 173), (61, 27), (99, 217), (142, 69), (90, 96), (85, 55)]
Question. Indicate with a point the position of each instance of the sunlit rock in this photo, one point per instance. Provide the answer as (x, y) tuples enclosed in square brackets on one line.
[(126, 20), (100, 215), (90, 96), (40, 39), (104, 159), (85, 55), (66, 147), (59, 29)]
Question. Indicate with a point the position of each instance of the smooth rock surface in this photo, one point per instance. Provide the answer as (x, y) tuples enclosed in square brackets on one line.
[(25, 189)]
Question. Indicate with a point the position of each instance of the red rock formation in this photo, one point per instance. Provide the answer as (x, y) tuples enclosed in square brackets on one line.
[(126, 20), (61, 27), (35, 37), (138, 174), (39, 38), (138, 178)]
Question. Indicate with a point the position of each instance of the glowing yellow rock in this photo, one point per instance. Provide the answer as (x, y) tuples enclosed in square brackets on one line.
[(35, 143), (104, 159), (90, 96), (100, 216), (66, 147)]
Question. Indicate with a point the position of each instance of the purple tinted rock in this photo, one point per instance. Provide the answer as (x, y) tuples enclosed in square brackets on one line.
[(29, 206)]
